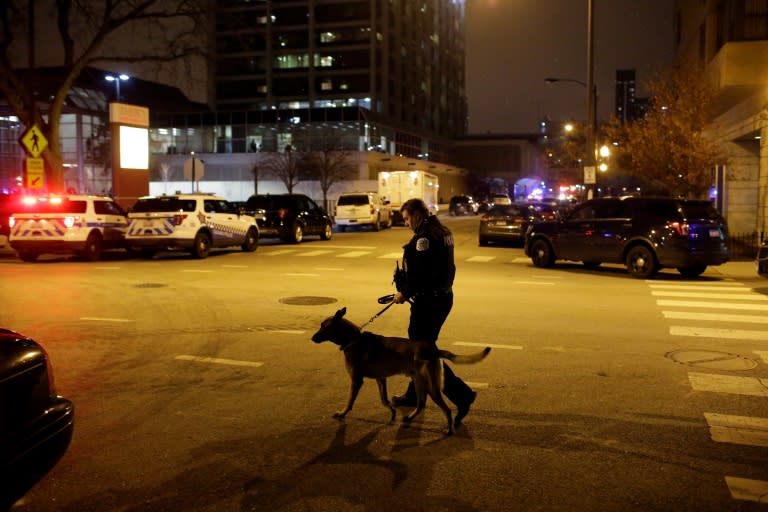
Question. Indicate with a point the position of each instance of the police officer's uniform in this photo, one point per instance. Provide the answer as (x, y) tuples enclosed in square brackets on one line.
[(430, 270)]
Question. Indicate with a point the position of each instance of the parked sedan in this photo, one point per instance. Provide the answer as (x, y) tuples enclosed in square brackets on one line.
[(35, 422), (504, 223)]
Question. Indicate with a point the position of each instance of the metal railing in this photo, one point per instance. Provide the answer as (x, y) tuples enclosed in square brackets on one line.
[(744, 246)]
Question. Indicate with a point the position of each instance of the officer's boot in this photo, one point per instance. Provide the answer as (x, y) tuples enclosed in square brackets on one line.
[(457, 392)]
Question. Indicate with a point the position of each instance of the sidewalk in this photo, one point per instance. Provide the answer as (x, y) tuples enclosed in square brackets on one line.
[(740, 270)]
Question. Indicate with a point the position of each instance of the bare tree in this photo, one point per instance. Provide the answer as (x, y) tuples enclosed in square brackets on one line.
[(668, 146), (89, 32), (287, 167), (329, 164)]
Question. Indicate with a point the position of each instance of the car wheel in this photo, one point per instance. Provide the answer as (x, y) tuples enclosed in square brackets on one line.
[(591, 264), (251, 240), (92, 251), (641, 263), (28, 256), (692, 271), (377, 224), (202, 246), (541, 254), (327, 232), (297, 234)]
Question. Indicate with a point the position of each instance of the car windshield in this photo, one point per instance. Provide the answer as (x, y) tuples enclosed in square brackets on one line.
[(164, 204), (353, 200), (268, 203), (511, 210)]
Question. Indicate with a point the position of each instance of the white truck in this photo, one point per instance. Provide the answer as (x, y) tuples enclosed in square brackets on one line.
[(399, 186)]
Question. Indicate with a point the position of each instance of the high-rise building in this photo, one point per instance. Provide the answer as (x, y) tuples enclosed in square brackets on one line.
[(625, 94), (400, 59)]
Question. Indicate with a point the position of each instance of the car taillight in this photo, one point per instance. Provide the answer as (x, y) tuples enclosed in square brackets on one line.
[(373, 210), (179, 218), (69, 221), (11, 222), (49, 371), (282, 213), (681, 228)]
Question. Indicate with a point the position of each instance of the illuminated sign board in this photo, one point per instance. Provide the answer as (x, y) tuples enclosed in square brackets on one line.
[(134, 147)]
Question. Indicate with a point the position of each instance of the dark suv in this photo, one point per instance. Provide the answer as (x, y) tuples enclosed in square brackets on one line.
[(290, 217), (463, 205), (645, 233)]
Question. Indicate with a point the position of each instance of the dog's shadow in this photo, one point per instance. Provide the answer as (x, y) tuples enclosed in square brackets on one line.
[(336, 474)]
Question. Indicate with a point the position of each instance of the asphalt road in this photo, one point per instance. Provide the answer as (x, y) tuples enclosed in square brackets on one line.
[(197, 387)]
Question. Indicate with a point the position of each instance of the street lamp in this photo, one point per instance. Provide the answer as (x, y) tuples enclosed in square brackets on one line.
[(117, 79)]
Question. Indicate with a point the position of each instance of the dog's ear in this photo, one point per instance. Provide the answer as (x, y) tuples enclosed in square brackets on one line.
[(340, 313)]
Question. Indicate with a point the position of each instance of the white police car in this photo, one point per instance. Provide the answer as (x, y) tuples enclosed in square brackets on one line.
[(72, 224), (189, 222)]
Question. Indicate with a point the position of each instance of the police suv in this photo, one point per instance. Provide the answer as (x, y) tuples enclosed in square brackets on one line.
[(189, 222), (74, 224)]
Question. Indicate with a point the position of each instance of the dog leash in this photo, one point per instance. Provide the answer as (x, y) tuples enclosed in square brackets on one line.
[(386, 299)]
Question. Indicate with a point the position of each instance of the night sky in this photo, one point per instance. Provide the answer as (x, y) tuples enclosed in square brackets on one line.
[(513, 45)]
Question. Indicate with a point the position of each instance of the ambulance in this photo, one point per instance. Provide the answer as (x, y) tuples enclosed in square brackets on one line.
[(83, 225)]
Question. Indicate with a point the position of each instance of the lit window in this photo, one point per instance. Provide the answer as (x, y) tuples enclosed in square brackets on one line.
[(326, 85)]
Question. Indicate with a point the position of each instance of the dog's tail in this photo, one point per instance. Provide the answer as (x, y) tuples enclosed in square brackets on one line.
[(464, 358)]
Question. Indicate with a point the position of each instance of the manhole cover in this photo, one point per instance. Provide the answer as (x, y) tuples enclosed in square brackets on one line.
[(150, 285), (712, 359), (307, 301)]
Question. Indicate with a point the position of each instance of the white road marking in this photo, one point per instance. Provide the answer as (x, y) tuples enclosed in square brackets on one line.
[(731, 334), (297, 274), (279, 252), (739, 296), (492, 345), (353, 254), (521, 260), (286, 331), (391, 256), (353, 247), (747, 490), (715, 317), (719, 285), (476, 385), (713, 305), (318, 252), (480, 259), (746, 430), (99, 319), (750, 386), (216, 360), (195, 271)]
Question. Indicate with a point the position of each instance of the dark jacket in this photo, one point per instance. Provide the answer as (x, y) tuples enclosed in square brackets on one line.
[(428, 260)]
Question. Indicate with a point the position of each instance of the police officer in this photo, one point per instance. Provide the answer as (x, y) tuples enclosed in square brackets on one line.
[(427, 280)]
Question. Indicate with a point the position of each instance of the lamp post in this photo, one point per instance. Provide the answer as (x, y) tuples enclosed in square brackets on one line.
[(117, 79)]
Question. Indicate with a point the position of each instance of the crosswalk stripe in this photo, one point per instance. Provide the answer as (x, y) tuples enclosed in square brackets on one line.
[(747, 490), (279, 252), (712, 305), (477, 385), (480, 259), (739, 296), (702, 288), (731, 334), (492, 345), (216, 360), (749, 386), (715, 317), (698, 285), (353, 254), (318, 252), (391, 256), (746, 430)]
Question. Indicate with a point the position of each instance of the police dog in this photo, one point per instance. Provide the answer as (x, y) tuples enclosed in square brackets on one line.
[(378, 357)]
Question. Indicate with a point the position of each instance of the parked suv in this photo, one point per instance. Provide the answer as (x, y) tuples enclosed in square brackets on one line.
[(362, 209), (645, 233), (189, 222), (75, 224), (463, 205), (290, 217)]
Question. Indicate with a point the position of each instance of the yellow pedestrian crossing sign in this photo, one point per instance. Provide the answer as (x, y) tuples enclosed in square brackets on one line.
[(34, 141)]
